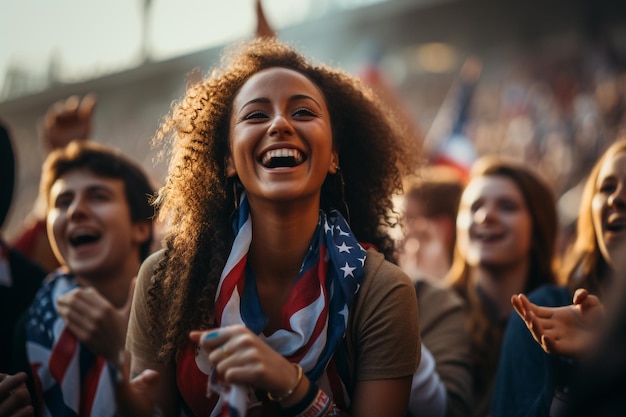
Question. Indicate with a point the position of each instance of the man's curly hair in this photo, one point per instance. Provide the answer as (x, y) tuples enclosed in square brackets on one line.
[(197, 200)]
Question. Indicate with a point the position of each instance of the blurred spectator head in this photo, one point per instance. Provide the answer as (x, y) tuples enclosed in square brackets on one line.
[(7, 173), (540, 204), (107, 163), (430, 205), (602, 208)]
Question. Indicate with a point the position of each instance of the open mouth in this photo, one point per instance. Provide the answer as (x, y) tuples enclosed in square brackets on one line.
[(488, 237), (616, 227), (616, 224), (282, 158), (78, 239)]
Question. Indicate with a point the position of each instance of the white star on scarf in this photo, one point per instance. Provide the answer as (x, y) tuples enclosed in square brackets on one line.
[(344, 248), (344, 312), (341, 232), (347, 270), (327, 228), (362, 261)]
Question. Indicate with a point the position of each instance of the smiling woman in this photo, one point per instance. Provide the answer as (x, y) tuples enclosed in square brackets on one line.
[(537, 367), (256, 290), (290, 134), (506, 231)]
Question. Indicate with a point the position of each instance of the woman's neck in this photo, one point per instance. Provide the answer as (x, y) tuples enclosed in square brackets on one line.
[(499, 284), (281, 239)]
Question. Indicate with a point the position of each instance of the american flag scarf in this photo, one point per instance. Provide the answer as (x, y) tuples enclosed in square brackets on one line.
[(69, 379), (314, 318)]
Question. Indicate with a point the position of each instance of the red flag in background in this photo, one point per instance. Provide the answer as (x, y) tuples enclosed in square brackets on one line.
[(447, 140)]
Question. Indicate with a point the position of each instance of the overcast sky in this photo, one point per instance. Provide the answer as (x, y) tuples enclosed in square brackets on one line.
[(96, 36)]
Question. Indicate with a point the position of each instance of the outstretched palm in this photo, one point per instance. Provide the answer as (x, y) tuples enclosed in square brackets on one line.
[(570, 330)]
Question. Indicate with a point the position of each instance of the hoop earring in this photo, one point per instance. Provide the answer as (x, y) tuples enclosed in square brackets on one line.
[(235, 193), (235, 190), (342, 196)]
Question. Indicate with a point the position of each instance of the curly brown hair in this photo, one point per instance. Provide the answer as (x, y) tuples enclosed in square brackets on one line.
[(196, 200)]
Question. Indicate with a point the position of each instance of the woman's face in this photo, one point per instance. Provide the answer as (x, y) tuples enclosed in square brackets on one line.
[(494, 226), (280, 137), (608, 207)]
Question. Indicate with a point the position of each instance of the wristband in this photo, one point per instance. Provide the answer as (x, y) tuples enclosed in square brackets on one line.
[(315, 403), (302, 405), (320, 407)]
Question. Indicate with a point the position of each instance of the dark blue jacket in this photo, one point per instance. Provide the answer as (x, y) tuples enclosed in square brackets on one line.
[(530, 382)]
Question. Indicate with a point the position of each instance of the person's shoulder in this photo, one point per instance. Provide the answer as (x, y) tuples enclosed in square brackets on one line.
[(437, 294), (27, 276), (376, 264), (149, 264), (550, 295), (154, 258), (381, 273), (25, 268)]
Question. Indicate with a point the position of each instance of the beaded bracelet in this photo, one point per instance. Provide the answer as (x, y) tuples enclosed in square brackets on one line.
[(292, 390)]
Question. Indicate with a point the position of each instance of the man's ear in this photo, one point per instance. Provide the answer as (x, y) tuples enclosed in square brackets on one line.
[(142, 231), (334, 163), (230, 167)]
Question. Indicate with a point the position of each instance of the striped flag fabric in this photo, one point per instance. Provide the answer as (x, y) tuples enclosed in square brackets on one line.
[(314, 318), (69, 379)]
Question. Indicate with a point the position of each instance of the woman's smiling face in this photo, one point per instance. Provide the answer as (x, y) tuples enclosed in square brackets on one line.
[(608, 207), (494, 226), (281, 144)]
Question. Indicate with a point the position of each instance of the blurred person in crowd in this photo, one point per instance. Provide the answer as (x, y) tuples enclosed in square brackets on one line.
[(19, 280), (99, 220), (429, 206), (64, 121), (596, 388), (19, 277), (506, 232), (442, 384), (247, 309), (558, 327)]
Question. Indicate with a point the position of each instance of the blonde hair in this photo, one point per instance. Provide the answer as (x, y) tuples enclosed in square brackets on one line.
[(584, 266)]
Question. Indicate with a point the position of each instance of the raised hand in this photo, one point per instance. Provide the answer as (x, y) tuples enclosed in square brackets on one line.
[(14, 397), (95, 321), (570, 330), (67, 120), (135, 397)]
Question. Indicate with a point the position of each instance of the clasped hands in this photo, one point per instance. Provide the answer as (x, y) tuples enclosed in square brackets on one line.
[(240, 357), (95, 321)]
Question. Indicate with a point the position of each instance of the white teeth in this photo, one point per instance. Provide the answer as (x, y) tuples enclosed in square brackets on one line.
[(488, 235), (81, 232), (281, 153)]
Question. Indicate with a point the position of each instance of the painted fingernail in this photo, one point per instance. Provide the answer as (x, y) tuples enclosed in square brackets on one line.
[(210, 336)]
